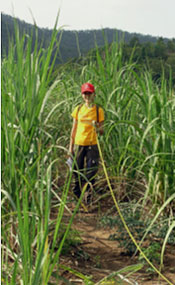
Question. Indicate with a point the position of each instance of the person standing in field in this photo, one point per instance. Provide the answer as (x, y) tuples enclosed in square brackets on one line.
[(88, 119)]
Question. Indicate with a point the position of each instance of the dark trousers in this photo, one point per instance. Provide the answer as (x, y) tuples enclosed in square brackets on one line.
[(86, 166)]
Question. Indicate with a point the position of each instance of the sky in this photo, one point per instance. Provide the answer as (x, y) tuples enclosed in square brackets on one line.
[(147, 17)]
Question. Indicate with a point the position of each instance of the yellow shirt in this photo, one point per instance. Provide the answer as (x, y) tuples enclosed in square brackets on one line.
[(86, 134)]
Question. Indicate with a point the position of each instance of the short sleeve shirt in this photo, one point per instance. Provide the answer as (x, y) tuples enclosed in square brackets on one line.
[(86, 133)]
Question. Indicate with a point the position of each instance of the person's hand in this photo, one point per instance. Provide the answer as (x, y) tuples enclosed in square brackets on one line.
[(70, 152), (98, 127), (95, 124)]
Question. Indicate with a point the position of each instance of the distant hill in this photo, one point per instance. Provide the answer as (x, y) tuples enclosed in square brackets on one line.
[(73, 43), (155, 53)]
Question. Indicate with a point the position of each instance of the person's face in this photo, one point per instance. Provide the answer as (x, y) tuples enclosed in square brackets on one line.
[(88, 97)]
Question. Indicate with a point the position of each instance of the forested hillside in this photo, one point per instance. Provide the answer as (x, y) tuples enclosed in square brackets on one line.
[(158, 57), (85, 40), (153, 52)]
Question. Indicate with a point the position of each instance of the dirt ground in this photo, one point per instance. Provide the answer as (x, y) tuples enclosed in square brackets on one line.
[(97, 256)]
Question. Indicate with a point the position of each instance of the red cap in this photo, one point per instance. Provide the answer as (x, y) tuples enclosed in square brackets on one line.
[(87, 87)]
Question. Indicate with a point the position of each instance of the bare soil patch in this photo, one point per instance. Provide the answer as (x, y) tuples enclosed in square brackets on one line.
[(97, 256)]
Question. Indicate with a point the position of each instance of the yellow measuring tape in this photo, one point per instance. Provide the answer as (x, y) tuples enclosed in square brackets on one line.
[(123, 220)]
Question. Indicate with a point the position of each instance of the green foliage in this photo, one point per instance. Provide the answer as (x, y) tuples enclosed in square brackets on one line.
[(152, 252), (154, 56), (138, 225), (134, 222), (73, 239)]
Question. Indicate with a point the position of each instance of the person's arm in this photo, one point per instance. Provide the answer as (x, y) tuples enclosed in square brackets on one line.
[(100, 123), (72, 136), (100, 127)]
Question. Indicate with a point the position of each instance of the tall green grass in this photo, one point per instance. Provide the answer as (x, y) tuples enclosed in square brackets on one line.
[(140, 121), (138, 146), (27, 161)]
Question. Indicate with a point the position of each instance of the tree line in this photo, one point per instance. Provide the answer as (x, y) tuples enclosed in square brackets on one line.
[(158, 56)]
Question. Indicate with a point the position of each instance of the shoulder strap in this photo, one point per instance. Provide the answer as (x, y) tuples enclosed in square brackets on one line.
[(97, 110)]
